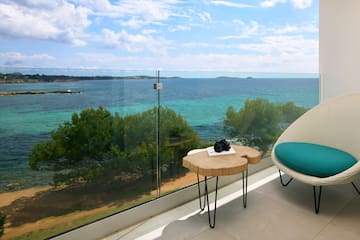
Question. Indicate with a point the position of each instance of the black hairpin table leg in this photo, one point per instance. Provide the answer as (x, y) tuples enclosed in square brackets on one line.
[(245, 185), (206, 199), (211, 224), (202, 206), (206, 196)]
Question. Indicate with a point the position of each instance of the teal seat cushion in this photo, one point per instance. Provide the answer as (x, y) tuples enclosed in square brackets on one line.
[(313, 159)]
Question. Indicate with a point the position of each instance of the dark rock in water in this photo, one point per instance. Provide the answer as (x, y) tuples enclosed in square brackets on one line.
[(11, 186), (39, 92)]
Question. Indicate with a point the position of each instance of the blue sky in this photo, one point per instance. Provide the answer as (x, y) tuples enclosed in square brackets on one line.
[(171, 35)]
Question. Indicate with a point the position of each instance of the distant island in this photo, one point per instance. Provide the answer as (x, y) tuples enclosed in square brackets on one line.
[(34, 78), (227, 77)]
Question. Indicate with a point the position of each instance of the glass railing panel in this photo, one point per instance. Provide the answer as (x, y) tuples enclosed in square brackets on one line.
[(104, 160), (81, 149), (244, 108)]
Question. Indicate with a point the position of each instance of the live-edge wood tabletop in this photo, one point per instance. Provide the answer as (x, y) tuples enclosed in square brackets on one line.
[(200, 162)]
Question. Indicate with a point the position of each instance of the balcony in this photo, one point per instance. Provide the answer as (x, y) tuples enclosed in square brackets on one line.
[(106, 163), (273, 212)]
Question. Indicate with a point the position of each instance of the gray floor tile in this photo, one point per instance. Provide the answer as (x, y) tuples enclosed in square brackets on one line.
[(333, 232), (349, 217), (275, 212)]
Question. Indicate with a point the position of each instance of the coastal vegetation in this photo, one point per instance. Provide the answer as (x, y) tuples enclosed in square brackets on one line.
[(34, 78), (104, 163), (259, 123), (97, 146), (69, 91)]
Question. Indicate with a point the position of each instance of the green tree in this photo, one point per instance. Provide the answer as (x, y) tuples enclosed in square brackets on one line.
[(79, 150), (260, 122), (290, 112), (98, 146), (176, 139)]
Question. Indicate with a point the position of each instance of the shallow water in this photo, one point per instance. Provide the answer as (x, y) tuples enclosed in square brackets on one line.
[(28, 119)]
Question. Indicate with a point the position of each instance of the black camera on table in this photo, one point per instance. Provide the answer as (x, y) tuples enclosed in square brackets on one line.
[(221, 145)]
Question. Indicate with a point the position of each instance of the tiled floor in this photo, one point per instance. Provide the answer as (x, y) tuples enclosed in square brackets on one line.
[(273, 212)]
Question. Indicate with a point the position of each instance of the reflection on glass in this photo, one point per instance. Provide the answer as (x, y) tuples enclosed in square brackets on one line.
[(244, 109), (71, 157)]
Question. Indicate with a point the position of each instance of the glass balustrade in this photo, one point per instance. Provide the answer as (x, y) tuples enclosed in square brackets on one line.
[(90, 144)]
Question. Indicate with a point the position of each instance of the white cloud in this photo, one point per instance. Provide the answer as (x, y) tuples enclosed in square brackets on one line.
[(254, 29), (96, 58), (293, 45), (238, 21), (293, 63), (231, 4), (19, 59), (44, 20), (149, 31), (197, 44), (246, 30), (286, 29), (277, 44), (271, 3), (37, 3), (306, 28), (133, 22), (130, 45), (204, 16), (179, 28), (137, 14), (238, 62), (133, 13), (301, 4), (141, 42), (271, 53)]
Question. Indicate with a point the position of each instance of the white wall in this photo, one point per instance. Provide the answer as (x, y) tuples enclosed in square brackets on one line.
[(339, 47)]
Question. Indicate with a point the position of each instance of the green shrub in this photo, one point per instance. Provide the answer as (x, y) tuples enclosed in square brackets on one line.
[(259, 123), (97, 146)]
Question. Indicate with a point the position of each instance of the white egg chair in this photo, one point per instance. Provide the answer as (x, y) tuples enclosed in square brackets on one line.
[(322, 147)]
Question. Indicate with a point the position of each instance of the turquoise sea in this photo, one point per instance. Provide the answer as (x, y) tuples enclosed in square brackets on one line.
[(202, 101)]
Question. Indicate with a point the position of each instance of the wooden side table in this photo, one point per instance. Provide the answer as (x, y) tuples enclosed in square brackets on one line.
[(201, 163)]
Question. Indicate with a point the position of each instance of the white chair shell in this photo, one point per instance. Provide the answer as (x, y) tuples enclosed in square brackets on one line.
[(334, 123)]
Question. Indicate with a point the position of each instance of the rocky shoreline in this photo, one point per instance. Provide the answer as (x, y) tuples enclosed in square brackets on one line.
[(38, 92), (18, 78)]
